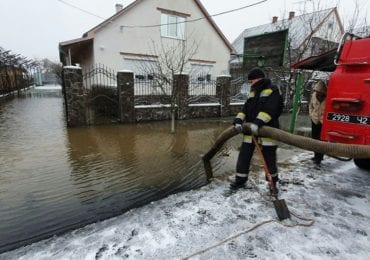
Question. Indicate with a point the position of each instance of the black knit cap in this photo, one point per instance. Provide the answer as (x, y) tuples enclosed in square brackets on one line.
[(256, 73)]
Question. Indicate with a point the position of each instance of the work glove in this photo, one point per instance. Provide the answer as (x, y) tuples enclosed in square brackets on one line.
[(254, 129), (238, 127)]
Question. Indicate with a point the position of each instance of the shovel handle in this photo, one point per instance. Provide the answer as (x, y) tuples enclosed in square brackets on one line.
[(267, 172)]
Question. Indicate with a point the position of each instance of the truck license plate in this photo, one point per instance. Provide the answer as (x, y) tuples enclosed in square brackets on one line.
[(354, 119)]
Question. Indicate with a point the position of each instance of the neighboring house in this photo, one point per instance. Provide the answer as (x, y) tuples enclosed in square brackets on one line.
[(308, 34), (278, 44), (133, 37)]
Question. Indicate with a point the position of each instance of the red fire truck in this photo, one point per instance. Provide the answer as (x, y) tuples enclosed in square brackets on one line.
[(347, 111)]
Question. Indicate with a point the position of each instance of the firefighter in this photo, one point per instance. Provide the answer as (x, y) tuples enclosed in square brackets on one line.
[(316, 112), (263, 107)]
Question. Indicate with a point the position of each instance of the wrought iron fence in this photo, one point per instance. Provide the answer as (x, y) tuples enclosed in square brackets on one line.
[(99, 76), (239, 89), (202, 89), (151, 92), (148, 87), (100, 83)]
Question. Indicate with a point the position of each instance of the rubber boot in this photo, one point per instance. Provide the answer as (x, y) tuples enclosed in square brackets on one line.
[(238, 183)]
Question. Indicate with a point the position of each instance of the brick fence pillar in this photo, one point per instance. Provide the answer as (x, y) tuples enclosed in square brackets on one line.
[(181, 84), (126, 96), (75, 97), (223, 84)]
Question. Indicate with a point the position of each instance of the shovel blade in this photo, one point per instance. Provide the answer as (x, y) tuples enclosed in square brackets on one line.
[(281, 209)]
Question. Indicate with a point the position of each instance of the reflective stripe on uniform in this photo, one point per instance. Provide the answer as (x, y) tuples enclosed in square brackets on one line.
[(266, 141), (247, 139), (241, 116), (243, 175), (264, 117), (266, 92)]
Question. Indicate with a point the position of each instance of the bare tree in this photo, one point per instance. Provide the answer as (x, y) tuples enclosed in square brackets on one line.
[(321, 33), (356, 24), (52, 68), (313, 32), (172, 58)]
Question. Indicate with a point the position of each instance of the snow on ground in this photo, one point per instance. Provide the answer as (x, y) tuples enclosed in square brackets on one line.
[(207, 224), (49, 87)]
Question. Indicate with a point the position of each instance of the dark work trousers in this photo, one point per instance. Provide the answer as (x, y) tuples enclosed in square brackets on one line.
[(315, 133), (246, 153)]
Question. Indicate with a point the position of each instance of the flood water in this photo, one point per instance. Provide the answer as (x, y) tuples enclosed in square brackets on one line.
[(54, 179)]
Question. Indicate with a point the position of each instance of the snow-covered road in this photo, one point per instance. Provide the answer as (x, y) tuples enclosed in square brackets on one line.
[(206, 224)]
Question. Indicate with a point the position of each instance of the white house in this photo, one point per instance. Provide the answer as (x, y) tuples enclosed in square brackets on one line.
[(136, 34)]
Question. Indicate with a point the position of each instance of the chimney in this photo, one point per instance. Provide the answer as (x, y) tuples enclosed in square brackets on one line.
[(119, 7), (291, 15), (274, 19)]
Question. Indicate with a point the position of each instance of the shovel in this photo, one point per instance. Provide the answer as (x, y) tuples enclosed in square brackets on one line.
[(280, 205)]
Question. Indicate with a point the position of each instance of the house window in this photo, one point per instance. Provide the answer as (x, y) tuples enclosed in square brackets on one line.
[(143, 69), (172, 26)]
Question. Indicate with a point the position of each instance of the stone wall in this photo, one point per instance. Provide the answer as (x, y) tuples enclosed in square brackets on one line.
[(75, 97), (80, 109)]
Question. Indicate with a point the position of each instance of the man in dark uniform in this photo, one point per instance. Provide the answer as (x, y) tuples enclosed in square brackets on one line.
[(263, 107)]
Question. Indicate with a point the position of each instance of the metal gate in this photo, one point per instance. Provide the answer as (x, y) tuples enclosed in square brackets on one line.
[(100, 83)]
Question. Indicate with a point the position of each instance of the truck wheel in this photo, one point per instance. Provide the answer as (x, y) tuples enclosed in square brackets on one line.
[(362, 163)]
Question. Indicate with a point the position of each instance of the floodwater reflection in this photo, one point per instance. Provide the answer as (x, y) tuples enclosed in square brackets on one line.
[(54, 179), (139, 160)]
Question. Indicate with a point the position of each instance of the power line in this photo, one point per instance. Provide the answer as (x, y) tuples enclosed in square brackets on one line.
[(197, 19), (158, 25), (82, 10)]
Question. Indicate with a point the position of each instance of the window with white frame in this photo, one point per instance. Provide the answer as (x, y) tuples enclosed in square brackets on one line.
[(145, 81), (173, 26), (141, 68)]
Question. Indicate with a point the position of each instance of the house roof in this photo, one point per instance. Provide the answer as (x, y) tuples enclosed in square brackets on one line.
[(92, 31), (295, 25), (78, 40), (322, 62), (74, 46)]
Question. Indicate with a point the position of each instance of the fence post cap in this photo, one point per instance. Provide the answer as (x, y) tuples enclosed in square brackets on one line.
[(72, 67), (126, 71)]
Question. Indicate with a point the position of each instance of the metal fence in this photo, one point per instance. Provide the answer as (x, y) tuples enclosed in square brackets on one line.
[(148, 91), (99, 76), (100, 83), (148, 87), (202, 91), (202, 88), (239, 87)]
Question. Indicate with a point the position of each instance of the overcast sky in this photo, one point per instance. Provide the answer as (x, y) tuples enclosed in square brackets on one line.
[(33, 28)]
